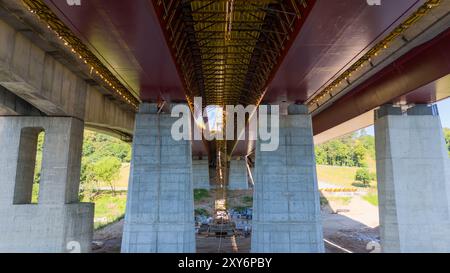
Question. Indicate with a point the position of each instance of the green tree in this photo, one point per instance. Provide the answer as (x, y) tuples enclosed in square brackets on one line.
[(350, 151), (104, 170), (321, 155), (97, 146), (359, 155), (363, 175), (369, 144), (447, 138), (38, 164), (120, 150), (102, 157)]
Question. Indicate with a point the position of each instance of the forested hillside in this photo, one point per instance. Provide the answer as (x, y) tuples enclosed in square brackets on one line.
[(349, 162), (102, 159), (349, 151), (353, 150)]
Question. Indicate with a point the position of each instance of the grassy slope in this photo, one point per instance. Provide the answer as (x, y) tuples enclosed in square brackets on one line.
[(124, 175), (345, 177), (372, 198), (109, 206), (112, 207), (339, 176)]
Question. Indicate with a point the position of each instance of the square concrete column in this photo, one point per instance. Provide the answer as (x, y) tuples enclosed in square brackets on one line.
[(286, 213), (160, 206), (238, 179), (413, 180), (200, 173), (58, 223)]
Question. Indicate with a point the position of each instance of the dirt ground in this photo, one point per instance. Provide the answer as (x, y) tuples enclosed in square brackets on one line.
[(354, 240), (350, 230), (225, 245)]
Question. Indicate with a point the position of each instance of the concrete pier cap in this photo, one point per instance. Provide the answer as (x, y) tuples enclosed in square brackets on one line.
[(408, 110), (298, 109), (148, 108)]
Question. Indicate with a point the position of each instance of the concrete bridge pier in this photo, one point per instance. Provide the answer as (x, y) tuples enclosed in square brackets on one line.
[(238, 179), (413, 180), (58, 222), (160, 206), (200, 172), (286, 213)]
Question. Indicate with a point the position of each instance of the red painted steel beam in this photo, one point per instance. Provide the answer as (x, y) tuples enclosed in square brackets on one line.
[(417, 68)]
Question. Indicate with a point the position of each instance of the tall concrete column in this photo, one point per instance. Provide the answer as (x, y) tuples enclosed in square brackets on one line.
[(200, 174), (160, 206), (238, 179), (58, 223), (413, 180), (286, 214)]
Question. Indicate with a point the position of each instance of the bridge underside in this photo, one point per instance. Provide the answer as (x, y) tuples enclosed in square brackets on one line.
[(331, 66), (251, 52)]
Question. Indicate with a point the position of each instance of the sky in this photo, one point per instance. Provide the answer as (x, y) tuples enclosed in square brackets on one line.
[(444, 113)]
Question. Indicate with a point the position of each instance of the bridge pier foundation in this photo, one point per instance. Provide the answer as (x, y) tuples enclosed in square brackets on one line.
[(238, 175), (58, 222), (286, 214), (413, 180), (160, 206)]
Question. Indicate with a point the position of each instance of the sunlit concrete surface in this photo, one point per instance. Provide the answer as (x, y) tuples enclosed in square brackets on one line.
[(413, 181)]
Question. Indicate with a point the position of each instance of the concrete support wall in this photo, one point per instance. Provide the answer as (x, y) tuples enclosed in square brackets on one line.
[(286, 213), (37, 77), (413, 184), (160, 206), (58, 221), (238, 175), (41, 80), (200, 174), (11, 105)]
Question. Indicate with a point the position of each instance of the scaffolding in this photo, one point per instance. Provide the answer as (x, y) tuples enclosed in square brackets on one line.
[(227, 51)]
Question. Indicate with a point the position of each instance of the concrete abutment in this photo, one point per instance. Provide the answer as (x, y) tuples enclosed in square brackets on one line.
[(58, 222)]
